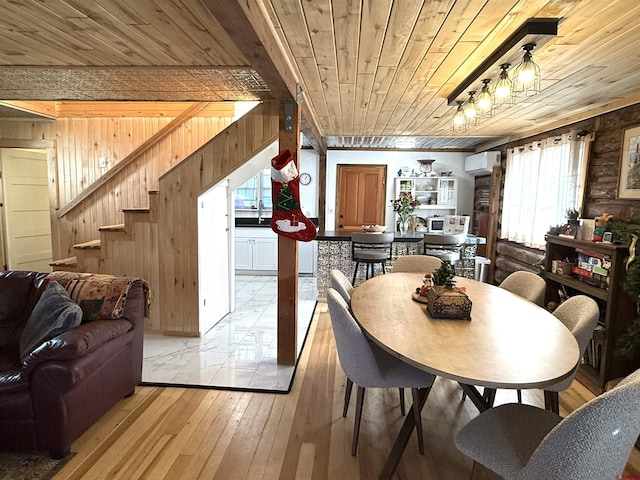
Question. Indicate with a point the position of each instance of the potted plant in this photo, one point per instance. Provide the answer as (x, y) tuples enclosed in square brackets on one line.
[(572, 216)]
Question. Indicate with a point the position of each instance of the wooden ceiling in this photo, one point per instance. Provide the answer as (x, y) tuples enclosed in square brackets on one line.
[(369, 71)]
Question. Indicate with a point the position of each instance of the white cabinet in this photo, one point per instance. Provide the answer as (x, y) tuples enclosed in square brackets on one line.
[(437, 195), (256, 249)]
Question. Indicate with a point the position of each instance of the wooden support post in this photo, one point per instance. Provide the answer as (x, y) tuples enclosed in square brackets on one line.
[(288, 250)]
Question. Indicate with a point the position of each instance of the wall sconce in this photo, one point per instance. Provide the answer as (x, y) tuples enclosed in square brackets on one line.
[(535, 32)]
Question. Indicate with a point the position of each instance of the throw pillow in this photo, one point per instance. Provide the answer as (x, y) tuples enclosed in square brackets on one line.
[(54, 314)]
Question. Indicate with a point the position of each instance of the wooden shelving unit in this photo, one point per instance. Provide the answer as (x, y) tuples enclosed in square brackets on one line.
[(616, 308)]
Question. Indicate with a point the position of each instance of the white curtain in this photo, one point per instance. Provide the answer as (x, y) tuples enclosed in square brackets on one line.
[(542, 182)]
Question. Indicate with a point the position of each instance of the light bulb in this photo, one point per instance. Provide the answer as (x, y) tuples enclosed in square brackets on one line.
[(527, 71), (484, 99), (503, 87), (470, 110)]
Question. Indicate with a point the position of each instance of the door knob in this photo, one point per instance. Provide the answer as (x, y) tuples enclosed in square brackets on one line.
[(341, 216)]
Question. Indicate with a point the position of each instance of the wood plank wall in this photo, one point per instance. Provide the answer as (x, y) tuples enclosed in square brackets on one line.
[(601, 187), (81, 142), (178, 193)]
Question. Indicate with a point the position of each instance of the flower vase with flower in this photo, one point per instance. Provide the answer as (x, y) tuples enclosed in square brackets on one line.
[(404, 206)]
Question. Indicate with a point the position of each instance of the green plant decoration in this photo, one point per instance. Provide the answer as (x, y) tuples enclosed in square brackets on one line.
[(621, 231), (444, 274), (572, 215), (556, 229)]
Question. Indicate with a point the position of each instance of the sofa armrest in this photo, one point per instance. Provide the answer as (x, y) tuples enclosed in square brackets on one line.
[(78, 341)]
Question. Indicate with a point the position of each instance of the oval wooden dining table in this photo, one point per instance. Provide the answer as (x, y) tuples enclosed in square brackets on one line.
[(508, 343)]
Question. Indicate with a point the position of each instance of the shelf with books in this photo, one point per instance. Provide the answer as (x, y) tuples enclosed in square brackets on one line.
[(596, 270)]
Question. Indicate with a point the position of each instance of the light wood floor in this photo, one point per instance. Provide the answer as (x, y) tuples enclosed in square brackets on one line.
[(178, 433)]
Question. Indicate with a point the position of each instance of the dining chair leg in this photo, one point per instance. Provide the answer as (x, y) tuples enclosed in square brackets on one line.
[(402, 409), (347, 396), (519, 396), (355, 273), (476, 471), (552, 402), (356, 423), (418, 418)]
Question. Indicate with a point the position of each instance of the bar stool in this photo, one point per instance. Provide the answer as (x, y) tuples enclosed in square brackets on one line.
[(370, 249)]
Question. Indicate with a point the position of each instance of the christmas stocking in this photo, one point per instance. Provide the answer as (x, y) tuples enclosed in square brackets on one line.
[(287, 219)]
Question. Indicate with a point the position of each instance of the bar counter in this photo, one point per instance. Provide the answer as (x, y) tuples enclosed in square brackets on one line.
[(334, 251)]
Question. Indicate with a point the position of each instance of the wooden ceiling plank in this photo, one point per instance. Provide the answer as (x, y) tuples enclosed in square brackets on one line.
[(214, 46), (383, 78), (373, 27), (346, 21), (293, 24), (321, 36), (402, 23)]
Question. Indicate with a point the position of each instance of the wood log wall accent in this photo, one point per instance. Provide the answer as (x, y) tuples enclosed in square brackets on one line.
[(602, 179), (178, 228)]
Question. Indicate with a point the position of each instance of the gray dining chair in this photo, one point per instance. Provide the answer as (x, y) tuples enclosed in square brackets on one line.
[(580, 315), (526, 285), (368, 366), (340, 283), (370, 249), (416, 263), (523, 442)]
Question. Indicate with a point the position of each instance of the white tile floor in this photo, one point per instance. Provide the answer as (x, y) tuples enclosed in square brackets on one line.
[(240, 351)]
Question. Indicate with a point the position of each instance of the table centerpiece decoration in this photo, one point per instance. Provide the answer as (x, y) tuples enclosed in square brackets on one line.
[(445, 300)]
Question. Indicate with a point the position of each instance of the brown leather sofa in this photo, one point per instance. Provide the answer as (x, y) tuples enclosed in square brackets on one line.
[(48, 400)]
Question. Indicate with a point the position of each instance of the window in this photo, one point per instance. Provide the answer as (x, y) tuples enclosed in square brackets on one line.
[(248, 195), (543, 180)]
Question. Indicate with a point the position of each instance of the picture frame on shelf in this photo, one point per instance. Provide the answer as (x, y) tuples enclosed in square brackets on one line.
[(570, 230), (629, 179)]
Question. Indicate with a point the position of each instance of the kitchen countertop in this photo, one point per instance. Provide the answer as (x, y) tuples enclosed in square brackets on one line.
[(266, 222), (336, 236), (333, 235)]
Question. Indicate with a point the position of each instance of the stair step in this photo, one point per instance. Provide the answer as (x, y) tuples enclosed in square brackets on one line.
[(112, 228), (92, 245), (65, 262)]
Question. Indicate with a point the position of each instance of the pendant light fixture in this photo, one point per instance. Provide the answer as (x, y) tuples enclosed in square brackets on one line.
[(470, 110), (503, 90), (526, 76), (485, 102), (532, 34), (459, 120)]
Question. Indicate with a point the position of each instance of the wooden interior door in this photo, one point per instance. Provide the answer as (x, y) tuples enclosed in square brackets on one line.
[(361, 196)]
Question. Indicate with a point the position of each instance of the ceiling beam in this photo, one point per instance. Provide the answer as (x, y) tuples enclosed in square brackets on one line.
[(44, 109)]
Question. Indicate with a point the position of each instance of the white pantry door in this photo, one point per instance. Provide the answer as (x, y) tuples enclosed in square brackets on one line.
[(214, 267), (27, 225)]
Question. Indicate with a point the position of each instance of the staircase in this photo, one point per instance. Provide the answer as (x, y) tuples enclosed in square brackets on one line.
[(160, 244), (127, 249)]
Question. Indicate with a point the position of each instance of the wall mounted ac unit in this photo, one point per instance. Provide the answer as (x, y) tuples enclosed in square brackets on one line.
[(481, 163)]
